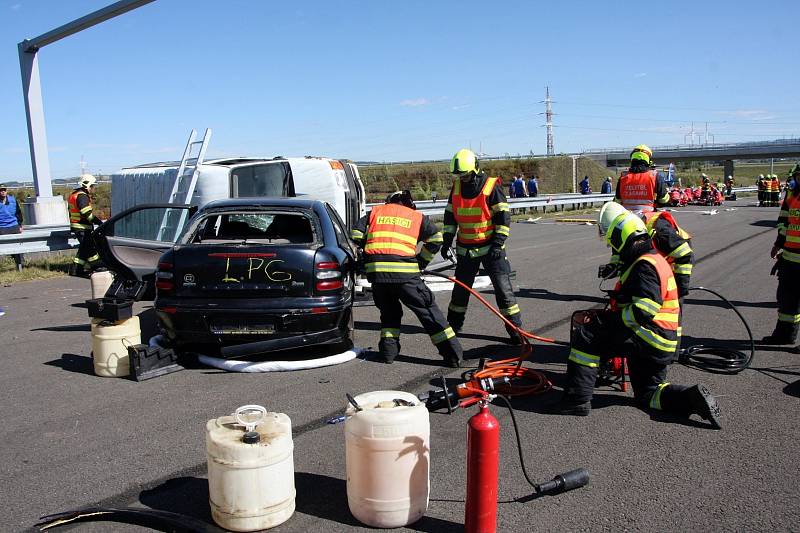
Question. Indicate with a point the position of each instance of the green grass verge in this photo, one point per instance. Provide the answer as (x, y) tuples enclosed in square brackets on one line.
[(36, 266)]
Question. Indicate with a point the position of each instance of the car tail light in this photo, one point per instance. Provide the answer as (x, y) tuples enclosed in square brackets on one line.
[(329, 285), (170, 310), (164, 280), (329, 277)]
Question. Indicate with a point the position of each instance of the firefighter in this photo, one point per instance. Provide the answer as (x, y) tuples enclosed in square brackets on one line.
[(81, 222), (705, 190), (761, 186), (787, 252), (478, 212), (389, 235), (640, 188), (670, 240), (641, 322), (776, 191)]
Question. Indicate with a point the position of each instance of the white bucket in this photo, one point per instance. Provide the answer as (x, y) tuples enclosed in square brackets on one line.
[(101, 281), (110, 341), (250, 484), (387, 455)]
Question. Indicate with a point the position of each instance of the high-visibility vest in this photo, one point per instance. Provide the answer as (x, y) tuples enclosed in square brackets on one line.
[(76, 220), (661, 330), (473, 215), (393, 230), (638, 190), (651, 218), (791, 247)]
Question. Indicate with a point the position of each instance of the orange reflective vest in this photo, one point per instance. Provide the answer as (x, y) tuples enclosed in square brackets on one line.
[(638, 190), (660, 331), (473, 216), (77, 221), (650, 221), (393, 230), (792, 227)]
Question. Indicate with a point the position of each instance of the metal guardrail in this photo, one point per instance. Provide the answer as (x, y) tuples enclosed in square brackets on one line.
[(36, 239), (53, 238)]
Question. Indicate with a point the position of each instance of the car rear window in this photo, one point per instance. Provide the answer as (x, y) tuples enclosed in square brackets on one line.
[(261, 227)]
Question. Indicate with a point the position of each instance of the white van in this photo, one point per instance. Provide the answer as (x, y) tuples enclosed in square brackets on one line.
[(329, 180)]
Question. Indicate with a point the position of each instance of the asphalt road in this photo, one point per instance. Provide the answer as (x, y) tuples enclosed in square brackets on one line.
[(71, 439)]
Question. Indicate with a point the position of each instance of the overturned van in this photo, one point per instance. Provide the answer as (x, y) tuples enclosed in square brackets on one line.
[(333, 181)]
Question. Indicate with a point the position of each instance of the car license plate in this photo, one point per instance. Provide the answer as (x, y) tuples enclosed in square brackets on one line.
[(242, 328)]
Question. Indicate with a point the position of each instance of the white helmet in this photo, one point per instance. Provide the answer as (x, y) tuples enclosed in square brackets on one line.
[(608, 213), (86, 181)]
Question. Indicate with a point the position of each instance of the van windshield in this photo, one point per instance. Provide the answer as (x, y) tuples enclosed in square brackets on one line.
[(271, 179)]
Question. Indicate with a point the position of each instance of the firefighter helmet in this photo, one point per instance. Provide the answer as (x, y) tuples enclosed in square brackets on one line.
[(795, 170), (641, 152), (622, 228), (464, 161), (86, 181), (401, 197), (608, 213)]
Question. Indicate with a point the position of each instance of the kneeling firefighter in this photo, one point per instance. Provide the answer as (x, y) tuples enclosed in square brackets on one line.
[(670, 240), (389, 235), (478, 211), (641, 322)]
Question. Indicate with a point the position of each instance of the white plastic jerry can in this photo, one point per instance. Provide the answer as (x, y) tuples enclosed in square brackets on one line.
[(250, 469), (110, 341), (387, 443)]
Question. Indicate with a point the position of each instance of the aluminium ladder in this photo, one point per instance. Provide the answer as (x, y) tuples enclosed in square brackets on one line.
[(185, 183)]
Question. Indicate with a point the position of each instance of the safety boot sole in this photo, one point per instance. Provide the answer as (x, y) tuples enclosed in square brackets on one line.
[(706, 405)]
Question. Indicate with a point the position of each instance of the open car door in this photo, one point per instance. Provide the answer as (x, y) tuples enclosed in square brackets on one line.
[(131, 242)]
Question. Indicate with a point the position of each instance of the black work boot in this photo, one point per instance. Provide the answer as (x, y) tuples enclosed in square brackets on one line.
[(785, 333), (570, 406), (702, 403), (389, 349)]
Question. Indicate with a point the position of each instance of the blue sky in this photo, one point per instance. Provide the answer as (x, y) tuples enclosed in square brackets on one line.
[(396, 81)]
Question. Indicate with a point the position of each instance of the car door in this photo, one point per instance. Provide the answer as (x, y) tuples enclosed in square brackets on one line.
[(131, 242)]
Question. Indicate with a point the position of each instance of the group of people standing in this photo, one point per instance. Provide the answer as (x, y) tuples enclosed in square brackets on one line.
[(641, 321), (769, 190), (518, 187)]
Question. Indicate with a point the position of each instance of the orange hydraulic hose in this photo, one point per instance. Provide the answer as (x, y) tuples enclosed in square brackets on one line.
[(523, 381)]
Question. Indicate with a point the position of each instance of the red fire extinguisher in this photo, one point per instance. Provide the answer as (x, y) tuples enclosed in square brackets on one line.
[(483, 456)]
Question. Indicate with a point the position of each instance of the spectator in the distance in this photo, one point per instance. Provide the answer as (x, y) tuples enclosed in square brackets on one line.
[(519, 188), (584, 186), (10, 213), (533, 187), (606, 188)]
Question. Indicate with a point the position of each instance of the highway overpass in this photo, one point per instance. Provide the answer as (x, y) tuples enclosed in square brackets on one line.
[(725, 153)]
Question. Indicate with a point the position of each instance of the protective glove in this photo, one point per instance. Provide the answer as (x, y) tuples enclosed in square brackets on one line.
[(447, 243), (447, 254), (495, 252), (608, 270)]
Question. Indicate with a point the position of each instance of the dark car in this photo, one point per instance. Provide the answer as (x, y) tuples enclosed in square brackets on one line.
[(240, 276)]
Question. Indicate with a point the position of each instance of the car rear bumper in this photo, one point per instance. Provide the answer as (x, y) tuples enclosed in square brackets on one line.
[(239, 331)]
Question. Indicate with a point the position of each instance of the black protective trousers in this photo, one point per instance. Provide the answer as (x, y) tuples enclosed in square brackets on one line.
[(788, 296), (602, 335), (86, 258), (499, 271), (389, 299)]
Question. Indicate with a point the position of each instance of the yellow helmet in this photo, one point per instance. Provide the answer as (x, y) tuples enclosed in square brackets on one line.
[(641, 152), (623, 226), (464, 161)]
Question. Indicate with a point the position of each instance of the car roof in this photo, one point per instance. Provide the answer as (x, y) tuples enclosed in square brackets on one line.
[(289, 203)]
